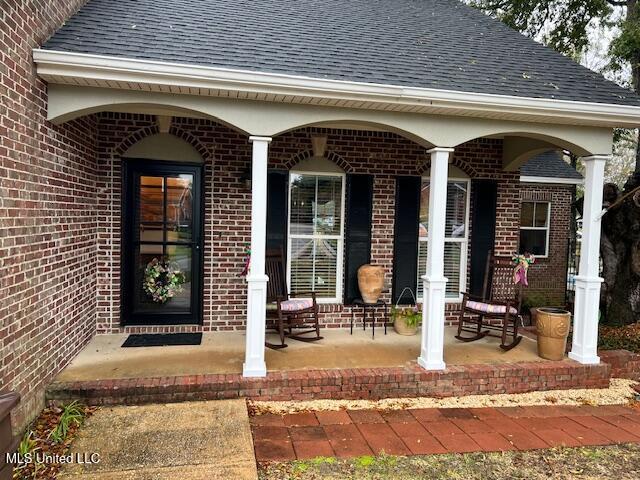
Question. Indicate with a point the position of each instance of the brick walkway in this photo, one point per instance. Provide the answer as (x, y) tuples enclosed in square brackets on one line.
[(353, 433)]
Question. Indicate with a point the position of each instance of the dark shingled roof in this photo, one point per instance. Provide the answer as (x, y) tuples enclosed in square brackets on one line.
[(440, 44), (549, 164)]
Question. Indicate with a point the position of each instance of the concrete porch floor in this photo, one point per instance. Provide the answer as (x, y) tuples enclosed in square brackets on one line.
[(223, 352)]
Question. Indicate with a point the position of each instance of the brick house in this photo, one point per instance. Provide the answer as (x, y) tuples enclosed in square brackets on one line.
[(129, 133)]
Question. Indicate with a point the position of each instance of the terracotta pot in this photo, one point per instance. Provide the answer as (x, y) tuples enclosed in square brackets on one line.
[(370, 282), (552, 325), (402, 328)]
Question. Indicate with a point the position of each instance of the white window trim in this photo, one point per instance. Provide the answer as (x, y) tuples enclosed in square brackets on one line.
[(464, 251), (547, 227), (339, 238)]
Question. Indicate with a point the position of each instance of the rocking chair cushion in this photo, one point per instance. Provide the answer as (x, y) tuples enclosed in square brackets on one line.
[(296, 304), (489, 308)]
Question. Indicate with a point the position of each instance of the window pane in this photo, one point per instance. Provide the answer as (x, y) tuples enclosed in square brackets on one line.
[(314, 266), (542, 210), (329, 205), (326, 263), (422, 265), (303, 193), (456, 209), (533, 241), (424, 209), (301, 265), (456, 216), (452, 260), (452, 265), (526, 214)]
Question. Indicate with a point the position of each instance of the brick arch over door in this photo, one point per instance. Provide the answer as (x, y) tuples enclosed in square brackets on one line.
[(331, 156), (150, 130)]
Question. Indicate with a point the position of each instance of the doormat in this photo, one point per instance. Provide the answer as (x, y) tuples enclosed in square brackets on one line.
[(162, 339)]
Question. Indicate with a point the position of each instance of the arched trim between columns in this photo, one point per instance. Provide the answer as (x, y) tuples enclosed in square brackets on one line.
[(466, 167)]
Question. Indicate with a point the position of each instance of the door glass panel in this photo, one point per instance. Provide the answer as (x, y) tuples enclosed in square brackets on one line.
[(179, 259), (163, 271), (142, 301), (179, 208), (151, 200)]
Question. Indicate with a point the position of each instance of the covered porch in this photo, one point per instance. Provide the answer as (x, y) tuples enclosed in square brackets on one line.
[(340, 367), (223, 353), (438, 132)]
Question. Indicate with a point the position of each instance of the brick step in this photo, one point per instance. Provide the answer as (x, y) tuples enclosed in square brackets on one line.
[(361, 383)]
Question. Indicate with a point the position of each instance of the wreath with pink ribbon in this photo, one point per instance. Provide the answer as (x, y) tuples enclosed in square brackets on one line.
[(522, 263)]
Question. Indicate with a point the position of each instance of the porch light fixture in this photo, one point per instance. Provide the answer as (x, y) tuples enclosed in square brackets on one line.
[(245, 178)]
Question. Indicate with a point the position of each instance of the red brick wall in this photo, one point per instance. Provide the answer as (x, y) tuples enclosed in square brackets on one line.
[(349, 383), (227, 205), (47, 215), (548, 276)]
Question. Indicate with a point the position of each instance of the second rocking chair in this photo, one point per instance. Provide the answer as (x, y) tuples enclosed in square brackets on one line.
[(286, 312), (497, 310)]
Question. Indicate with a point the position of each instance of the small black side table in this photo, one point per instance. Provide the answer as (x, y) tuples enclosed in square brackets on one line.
[(358, 302)]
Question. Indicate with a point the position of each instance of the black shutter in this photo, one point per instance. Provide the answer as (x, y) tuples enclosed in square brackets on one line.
[(483, 229), (358, 231), (277, 205), (405, 237)]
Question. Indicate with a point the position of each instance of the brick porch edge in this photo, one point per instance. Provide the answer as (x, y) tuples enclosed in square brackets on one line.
[(362, 383)]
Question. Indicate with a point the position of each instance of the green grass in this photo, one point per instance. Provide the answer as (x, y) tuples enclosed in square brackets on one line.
[(621, 462)]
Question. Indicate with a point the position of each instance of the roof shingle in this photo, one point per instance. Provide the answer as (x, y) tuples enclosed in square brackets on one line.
[(549, 164), (441, 44)]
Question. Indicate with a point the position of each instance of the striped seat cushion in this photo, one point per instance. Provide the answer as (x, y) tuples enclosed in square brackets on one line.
[(296, 304), (488, 308)]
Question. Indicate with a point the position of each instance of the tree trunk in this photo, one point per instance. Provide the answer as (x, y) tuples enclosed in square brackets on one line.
[(620, 244), (620, 251)]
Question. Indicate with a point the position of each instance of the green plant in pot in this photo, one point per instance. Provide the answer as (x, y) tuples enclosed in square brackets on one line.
[(406, 320)]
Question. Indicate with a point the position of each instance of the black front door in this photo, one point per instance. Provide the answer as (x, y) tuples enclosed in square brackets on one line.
[(161, 243)]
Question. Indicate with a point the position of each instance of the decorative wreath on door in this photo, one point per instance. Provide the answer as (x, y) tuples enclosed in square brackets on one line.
[(162, 280)]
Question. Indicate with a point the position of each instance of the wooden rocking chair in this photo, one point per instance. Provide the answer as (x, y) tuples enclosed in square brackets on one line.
[(501, 300), (287, 312)]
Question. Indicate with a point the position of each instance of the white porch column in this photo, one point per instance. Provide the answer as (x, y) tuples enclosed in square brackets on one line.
[(254, 365), (587, 296), (433, 282)]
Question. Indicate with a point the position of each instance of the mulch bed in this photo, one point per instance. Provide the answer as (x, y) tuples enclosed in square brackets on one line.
[(41, 427), (625, 338)]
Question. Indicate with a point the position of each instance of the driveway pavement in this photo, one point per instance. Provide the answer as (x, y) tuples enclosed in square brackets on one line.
[(189, 441)]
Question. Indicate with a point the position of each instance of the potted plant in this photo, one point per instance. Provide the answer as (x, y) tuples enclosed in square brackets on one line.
[(406, 319)]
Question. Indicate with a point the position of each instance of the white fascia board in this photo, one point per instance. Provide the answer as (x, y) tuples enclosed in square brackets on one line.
[(52, 63), (551, 180)]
